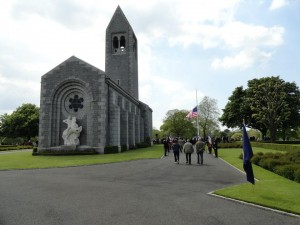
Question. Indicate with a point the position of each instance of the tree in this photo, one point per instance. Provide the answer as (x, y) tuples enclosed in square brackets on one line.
[(176, 124), (23, 122), (156, 134), (274, 103), (238, 110), (235, 110), (268, 104), (208, 115)]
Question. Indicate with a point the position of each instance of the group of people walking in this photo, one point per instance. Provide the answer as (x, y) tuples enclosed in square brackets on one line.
[(188, 147)]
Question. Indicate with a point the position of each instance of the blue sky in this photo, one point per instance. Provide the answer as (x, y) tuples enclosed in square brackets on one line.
[(213, 46)]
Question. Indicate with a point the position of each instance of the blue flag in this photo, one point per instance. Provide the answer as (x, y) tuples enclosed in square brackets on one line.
[(247, 152)]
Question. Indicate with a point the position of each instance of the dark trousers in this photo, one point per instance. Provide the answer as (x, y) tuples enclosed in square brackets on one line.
[(209, 150), (188, 158), (216, 152), (176, 156), (200, 155), (166, 150)]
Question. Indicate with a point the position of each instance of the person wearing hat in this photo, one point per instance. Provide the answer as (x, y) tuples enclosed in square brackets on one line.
[(188, 149)]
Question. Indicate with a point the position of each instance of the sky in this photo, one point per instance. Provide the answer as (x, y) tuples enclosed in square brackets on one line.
[(204, 46)]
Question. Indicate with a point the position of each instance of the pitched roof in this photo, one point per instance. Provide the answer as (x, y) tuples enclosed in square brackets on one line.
[(74, 59), (117, 17)]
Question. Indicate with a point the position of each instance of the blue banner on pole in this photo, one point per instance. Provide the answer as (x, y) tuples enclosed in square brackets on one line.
[(247, 155)]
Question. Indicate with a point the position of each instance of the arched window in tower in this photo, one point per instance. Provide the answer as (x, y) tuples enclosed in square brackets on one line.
[(122, 43), (118, 44), (115, 43)]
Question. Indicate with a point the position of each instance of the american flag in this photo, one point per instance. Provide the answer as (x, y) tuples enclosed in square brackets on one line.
[(193, 113)]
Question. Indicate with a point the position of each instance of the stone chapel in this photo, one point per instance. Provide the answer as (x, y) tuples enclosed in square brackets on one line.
[(104, 105)]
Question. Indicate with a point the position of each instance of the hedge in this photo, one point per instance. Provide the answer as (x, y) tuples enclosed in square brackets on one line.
[(236, 144), (14, 147), (54, 152), (111, 149), (273, 146), (283, 164), (279, 147)]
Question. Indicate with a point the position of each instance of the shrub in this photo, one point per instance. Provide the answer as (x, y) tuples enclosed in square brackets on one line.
[(286, 171), (131, 147), (111, 149), (273, 163), (297, 175), (14, 147), (264, 163), (61, 152), (255, 159), (34, 151), (148, 141), (279, 147), (293, 157), (236, 144), (124, 148), (241, 156), (142, 145)]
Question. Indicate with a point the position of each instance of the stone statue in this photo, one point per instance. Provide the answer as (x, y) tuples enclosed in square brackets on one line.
[(72, 133)]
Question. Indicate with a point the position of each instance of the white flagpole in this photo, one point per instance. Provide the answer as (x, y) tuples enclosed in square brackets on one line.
[(197, 114)]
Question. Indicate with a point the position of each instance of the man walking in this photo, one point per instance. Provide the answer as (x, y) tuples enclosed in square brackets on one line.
[(200, 147), (188, 149), (176, 149)]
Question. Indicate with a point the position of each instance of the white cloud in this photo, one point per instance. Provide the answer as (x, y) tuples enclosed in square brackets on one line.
[(36, 36), (241, 35), (276, 4), (14, 91), (252, 45), (241, 60)]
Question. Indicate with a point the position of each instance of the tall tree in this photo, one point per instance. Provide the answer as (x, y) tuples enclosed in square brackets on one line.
[(235, 110), (274, 103), (175, 123), (238, 109), (23, 122), (269, 103), (208, 115)]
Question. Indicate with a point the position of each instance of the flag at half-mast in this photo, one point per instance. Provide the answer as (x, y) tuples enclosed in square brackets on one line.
[(193, 113)]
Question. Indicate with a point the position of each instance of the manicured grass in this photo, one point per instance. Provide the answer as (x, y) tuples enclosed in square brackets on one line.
[(271, 190), (24, 160)]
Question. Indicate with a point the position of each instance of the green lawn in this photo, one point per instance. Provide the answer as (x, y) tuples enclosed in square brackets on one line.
[(24, 160), (271, 190)]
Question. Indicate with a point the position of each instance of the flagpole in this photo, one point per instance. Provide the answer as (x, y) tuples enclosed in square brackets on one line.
[(197, 114)]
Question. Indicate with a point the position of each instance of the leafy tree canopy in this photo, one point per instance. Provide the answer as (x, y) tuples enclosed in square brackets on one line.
[(176, 124), (268, 104), (208, 115), (23, 122)]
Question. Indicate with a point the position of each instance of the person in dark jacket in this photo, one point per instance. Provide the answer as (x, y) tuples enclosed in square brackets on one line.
[(215, 147), (176, 148), (166, 146)]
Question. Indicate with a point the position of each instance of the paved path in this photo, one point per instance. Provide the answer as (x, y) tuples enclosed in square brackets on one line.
[(142, 192)]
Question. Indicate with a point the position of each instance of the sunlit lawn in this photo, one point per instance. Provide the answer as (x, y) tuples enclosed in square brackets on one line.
[(271, 190), (24, 160)]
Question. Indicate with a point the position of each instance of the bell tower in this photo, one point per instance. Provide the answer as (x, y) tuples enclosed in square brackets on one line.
[(121, 53)]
